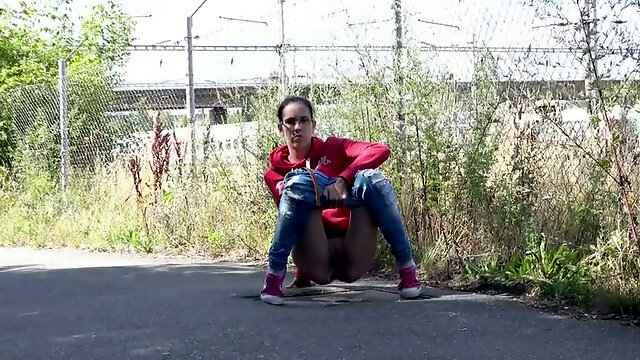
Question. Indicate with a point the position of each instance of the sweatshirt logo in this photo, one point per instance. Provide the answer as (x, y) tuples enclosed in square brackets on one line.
[(323, 161), (280, 187)]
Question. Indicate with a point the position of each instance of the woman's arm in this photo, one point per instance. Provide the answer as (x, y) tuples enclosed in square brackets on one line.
[(362, 155), (275, 184)]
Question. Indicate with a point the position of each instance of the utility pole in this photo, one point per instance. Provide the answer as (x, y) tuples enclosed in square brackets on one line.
[(191, 103), (282, 52), (591, 31), (474, 86), (399, 75), (190, 93)]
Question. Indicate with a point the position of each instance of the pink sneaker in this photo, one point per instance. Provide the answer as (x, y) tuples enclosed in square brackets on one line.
[(409, 286), (272, 291)]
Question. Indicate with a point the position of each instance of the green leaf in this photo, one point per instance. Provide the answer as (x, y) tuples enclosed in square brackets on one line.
[(167, 195), (616, 140)]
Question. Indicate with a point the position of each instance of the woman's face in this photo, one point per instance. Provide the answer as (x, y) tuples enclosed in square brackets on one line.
[(297, 125)]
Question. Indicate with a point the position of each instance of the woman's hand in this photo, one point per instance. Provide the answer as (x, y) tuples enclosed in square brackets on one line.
[(336, 194)]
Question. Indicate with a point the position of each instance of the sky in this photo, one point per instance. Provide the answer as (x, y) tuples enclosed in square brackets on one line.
[(307, 22), (495, 23)]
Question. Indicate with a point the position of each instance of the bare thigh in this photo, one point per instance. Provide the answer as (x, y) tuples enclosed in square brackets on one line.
[(311, 253), (343, 258), (359, 247)]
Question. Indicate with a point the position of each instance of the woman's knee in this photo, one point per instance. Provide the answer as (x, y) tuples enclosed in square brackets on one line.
[(373, 181), (298, 186), (298, 180)]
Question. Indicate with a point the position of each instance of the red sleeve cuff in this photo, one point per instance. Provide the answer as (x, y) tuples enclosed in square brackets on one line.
[(349, 175)]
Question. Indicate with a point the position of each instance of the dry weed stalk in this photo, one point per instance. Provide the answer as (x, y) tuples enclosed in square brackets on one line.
[(160, 153), (180, 149), (134, 168)]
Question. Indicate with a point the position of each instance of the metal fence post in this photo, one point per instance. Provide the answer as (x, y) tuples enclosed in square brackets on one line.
[(64, 124), (191, 105)]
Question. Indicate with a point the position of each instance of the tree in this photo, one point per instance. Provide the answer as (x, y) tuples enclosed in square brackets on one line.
[(32, 39)]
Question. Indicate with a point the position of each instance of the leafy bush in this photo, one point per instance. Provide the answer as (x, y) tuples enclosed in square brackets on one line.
[(556, 273)]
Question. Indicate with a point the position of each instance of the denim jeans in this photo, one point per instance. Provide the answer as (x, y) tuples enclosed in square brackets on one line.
[(370, 189)]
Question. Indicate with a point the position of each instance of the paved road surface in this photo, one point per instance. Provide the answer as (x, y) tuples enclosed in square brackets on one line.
[(66, 304)]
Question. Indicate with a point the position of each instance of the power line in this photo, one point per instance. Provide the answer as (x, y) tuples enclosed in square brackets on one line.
[(369, 22), (379, 48), (244, 20), (201, 48), (439, 24)]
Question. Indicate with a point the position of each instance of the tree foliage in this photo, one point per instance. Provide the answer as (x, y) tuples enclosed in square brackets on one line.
[(32, 40)]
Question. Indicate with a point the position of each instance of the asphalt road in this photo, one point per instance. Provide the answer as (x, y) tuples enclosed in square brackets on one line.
[(61, 304)]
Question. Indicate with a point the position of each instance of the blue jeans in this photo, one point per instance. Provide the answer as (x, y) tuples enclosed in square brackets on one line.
[(370, 189)]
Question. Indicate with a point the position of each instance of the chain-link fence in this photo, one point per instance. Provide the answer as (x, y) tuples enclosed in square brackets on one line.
[(107, 122)]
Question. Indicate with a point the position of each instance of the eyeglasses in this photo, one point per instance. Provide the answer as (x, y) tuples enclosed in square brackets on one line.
[(291, 122)]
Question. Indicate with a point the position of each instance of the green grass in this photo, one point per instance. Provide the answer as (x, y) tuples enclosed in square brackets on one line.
[(103, 213)]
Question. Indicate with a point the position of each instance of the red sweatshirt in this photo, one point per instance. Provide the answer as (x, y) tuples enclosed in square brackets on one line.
[(333, 157)]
